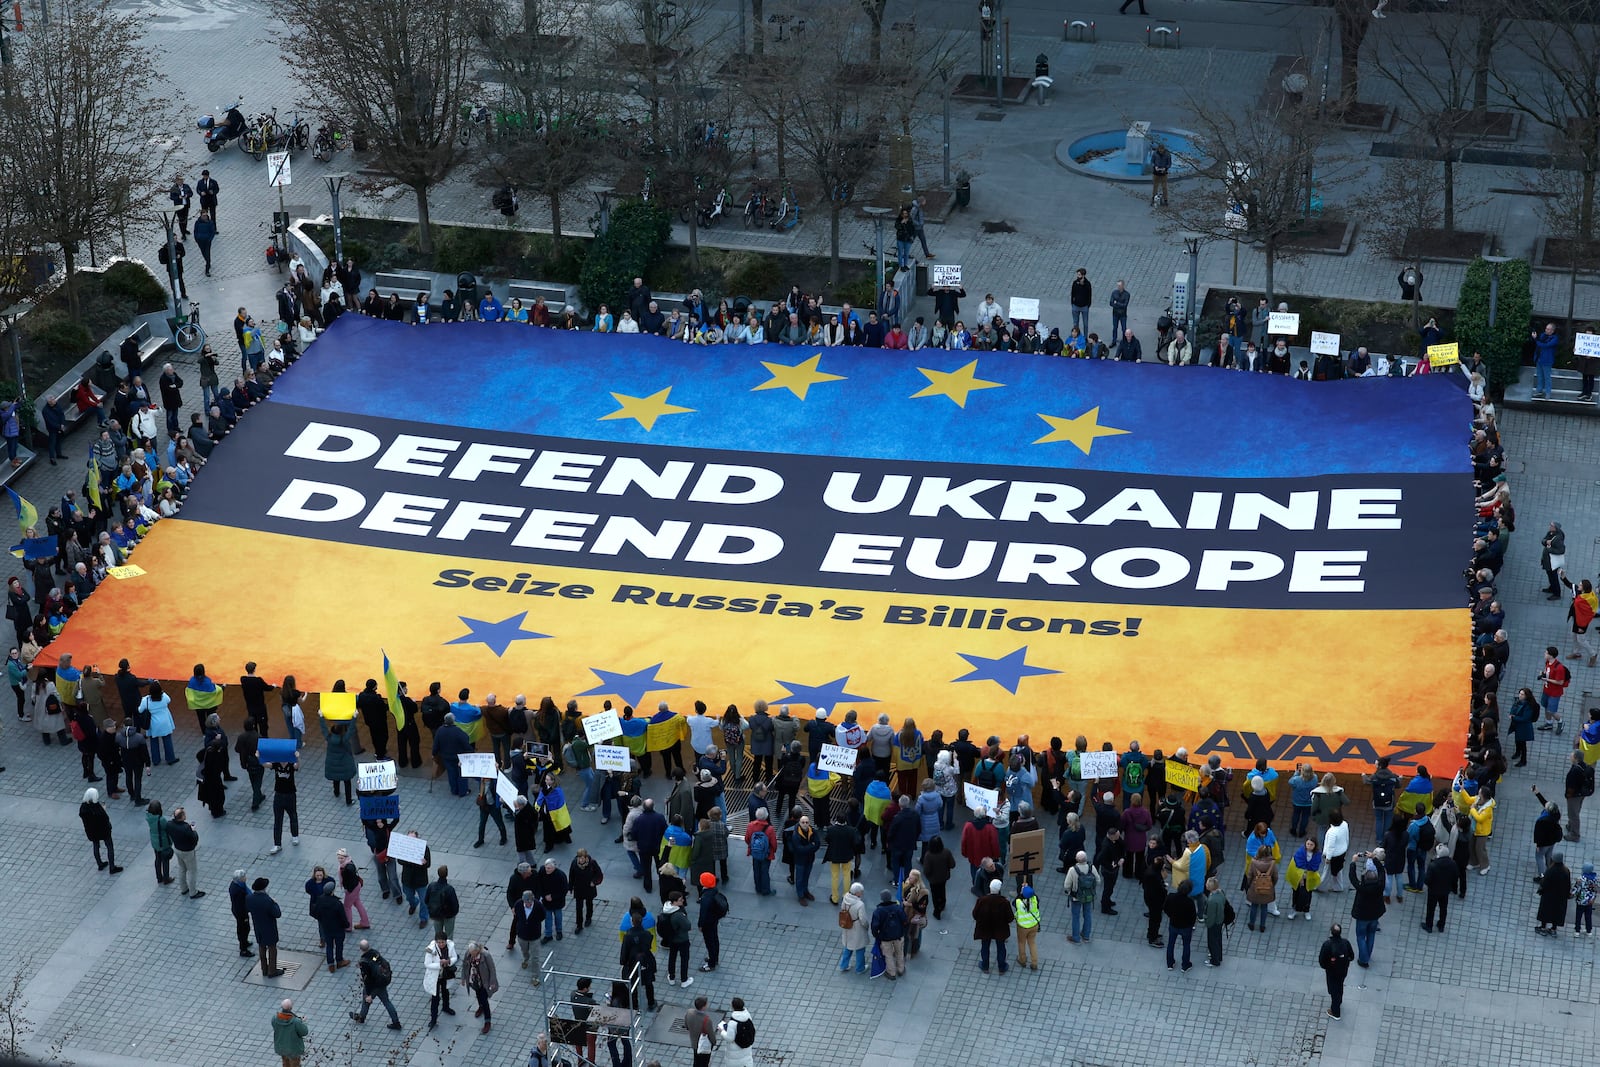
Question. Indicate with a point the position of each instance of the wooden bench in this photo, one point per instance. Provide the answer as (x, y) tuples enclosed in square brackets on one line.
[(150, 345), (403, 283)]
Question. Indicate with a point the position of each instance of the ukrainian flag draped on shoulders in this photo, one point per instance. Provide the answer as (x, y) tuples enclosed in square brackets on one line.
[(202, 693), (633, 735), (470, 718), (875, 801), (819, 783), (68, 681), (1589, 742), (666, 728)]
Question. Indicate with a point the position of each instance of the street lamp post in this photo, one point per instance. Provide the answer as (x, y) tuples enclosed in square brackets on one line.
[(335, 184), (1191, 245), (944, 76), (1494, 284), (167, 220)]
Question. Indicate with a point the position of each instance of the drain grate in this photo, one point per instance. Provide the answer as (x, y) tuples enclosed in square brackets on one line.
[(298, 969), (991, 116)]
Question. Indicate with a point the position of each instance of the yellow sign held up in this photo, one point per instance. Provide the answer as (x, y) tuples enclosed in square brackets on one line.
[(1182, 776), (336, 706), (129, 571), (1445, 355)]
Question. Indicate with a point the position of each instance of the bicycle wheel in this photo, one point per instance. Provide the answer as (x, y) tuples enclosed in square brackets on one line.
[(683, 214), (302, 137), (319, 150), (189, 337), (752, 211)]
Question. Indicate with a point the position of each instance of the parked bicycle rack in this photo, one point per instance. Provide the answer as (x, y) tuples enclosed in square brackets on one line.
[(1163, 37)]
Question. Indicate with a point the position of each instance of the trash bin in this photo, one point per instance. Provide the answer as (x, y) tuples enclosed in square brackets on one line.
[(963, 192), (1041, 66)]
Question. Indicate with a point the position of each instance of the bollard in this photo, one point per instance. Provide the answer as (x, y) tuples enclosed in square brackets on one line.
[(1079, 30), (1168, 36)]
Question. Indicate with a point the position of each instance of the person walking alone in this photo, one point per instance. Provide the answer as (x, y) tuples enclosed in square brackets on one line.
[(1334, 959), (478, 977), (289, 1032), (205, 231), (97, 828), (376, 974)]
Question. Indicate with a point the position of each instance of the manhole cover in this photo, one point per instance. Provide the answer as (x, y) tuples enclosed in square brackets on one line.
[(991, 116), (297, 967), (1105, 68)]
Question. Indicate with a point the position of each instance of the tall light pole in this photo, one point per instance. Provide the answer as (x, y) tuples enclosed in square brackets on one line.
[(167, 220), (1494, 284), (335, 184), (1191, 245), (944, 77)]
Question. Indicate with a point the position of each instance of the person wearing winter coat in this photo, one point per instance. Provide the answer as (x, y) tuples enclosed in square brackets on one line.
[(991, 924), (855, 937), (1368, 906), (728, 1036), (1326, 799), (1261, 889), (339, 764), (97, 828), (264, 916), (1440, 879), (1554, 889), (328, 910), (583, 879), (1335, 846), (440, 966), (478, 978)]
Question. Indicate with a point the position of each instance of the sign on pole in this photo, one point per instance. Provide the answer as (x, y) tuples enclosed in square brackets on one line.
[(1026, 855), (837, 760), (375, 777), (407, 849), (611, 758), (1234, 219), (601, 727), (977, 797), (1324, 344), (1097, 765), (1445, 355), (477, 765), (944, 274), (278, 169), (1284, 323), (1586, 344)]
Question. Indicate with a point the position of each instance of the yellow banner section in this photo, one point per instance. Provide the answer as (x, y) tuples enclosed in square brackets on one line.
[(337, 706), (1238, 683), (1445, 355)]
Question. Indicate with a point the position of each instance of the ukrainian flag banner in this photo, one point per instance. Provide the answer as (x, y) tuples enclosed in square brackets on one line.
[(666, 728), (391, 688), (819, 783), (202, 693), (27, 519), (634, 733), (1009, 543)]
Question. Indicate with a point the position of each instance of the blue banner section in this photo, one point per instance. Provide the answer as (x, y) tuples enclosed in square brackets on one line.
[(384, 807), (936, 406)]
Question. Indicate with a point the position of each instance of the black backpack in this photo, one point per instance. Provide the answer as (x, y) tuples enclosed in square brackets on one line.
[(382, 973), (1383, 792), (1229, 916), (744, 1033), (989, 774), (1427, 837), (1587, 789)]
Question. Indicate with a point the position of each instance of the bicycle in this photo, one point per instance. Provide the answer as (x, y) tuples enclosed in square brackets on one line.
[(329, 140), (758, 207), (187, 334), (786, 208), (297, 135), (646, 190)]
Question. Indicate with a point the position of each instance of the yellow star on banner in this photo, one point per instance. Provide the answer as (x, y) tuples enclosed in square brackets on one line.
[(798, 378), (644, 409), (1081, 431), (954, 384)]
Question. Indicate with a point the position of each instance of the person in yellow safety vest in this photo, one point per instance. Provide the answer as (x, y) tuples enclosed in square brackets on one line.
[(1027, 911)]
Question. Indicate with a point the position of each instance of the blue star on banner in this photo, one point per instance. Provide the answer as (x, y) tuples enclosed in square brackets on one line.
[(630, 687), (498, 636), (822, 697), (1008, 670)]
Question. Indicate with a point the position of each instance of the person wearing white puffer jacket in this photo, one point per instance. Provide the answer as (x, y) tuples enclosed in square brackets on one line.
[(1335, 844), (736, 1028)]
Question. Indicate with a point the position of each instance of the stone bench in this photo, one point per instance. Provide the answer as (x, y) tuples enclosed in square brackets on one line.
[(556, 296), (150, 344)]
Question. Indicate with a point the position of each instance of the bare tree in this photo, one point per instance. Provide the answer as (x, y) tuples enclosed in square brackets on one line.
[(910, 78), (1257, 161), (75, 128), (1562, 93), (1562, 206), (1353, 18), (552, 73), (874, 10), (840, 117), (401, 73)]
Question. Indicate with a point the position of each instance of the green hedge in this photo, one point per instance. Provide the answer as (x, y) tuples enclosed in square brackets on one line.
[(1502, 346), (131, 280), (637, 237)]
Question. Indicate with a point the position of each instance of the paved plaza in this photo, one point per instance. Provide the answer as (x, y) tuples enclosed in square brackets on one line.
[(122, 971)]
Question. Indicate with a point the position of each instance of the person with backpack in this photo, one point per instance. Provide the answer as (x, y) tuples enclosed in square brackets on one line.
[(760, 842), (1385, 785), (713, 909), (990, 771), (888, 926), (1135, 770), (737, 1036), (853, 932), (673, 928), (376, 974), (1081, 885), (1555, 679), (1420, 839), (1581, 613), (1579, 784)]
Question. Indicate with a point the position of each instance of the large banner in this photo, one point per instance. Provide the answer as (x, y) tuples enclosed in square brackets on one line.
[(1240, 564)]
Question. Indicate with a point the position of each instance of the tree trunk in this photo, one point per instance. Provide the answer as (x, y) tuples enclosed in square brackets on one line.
[(530, 16), (1269, 251), (1482, 61), (555, 222), (874, 10), (758, 33), (835, 205), (783, 142), (424, 226), (1449, 189), (69, 261), (1354, 21), (1586, 203), (694, 238)]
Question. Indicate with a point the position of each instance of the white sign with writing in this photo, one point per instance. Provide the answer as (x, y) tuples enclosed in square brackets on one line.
[(944, 274), (1284, 323), (1324, 344), (1024, 309), (611, 758), (375, 777), (278, 169), (506, 790), (1586, 344), (407, 849), (477, 765), (1097, 765), (976, 796), (837, 760), (601, 727)]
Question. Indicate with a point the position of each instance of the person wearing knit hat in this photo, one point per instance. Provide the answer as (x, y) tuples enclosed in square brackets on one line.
[(713, 907)]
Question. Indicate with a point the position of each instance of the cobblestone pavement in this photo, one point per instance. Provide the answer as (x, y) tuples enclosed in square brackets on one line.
[(126, 972)]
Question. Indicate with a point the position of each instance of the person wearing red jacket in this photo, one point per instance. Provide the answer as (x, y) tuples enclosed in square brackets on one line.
[(1556, 678), (896, 338), (979, 840)]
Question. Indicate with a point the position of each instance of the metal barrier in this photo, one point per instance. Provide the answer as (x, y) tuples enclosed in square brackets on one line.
[(1079, 30), (1163, 37)]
